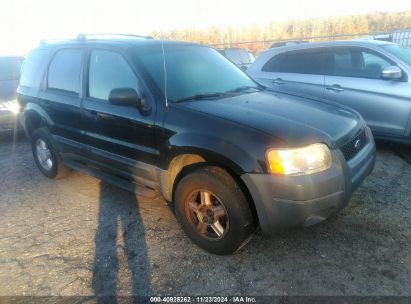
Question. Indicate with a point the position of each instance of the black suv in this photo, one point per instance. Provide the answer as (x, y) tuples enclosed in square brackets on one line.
[(181, 119)]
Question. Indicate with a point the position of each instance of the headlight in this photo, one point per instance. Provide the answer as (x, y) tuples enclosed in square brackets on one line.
[(299, 161)]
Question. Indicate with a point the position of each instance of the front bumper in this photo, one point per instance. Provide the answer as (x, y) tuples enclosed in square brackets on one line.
[(289, 201)]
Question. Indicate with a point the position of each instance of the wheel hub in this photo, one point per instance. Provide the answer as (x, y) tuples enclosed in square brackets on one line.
[(206, 215), (210, 216)]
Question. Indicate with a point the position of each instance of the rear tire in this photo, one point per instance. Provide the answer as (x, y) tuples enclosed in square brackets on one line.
[(213, 211), (46, 155)]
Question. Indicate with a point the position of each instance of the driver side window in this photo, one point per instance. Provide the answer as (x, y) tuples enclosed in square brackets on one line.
[(355, 62), (373, 64), (109, 70)]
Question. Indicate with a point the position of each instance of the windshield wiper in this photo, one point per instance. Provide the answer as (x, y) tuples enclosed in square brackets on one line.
[(201, 96), (245, 88)]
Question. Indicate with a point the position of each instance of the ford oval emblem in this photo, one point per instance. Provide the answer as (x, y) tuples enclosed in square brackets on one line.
[(357, 144)]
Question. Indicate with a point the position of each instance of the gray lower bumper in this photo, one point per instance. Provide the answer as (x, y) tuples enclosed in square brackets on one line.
[(288, 201)]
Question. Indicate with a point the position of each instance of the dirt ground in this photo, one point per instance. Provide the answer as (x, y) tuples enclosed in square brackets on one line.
[(78, 236)]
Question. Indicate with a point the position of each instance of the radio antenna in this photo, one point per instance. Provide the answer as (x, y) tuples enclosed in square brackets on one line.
[(165, 70)]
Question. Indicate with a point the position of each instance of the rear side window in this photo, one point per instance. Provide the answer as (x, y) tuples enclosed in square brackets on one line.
[(108, 71), (32, 66), (272, 65), (64, 71), (309, 62)]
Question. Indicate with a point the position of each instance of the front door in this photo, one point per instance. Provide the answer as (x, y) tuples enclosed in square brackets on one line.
[(355, 81), (120, 138)]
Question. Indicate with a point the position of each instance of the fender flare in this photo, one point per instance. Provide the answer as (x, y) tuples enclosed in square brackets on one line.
[(34, 111)]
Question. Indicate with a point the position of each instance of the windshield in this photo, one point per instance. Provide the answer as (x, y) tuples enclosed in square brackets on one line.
[(402, 53), (193, 70)]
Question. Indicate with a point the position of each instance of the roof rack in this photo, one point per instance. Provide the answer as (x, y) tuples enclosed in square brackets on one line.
[(84, 36), (45, 41)]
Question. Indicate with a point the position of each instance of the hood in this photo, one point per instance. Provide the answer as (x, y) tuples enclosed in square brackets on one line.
[(297, 121)]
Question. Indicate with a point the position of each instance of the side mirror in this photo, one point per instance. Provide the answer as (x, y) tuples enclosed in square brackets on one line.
[(391, 73), (125, 97)]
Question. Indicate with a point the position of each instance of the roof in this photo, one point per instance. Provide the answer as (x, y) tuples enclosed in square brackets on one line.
[(120, 42), (9, 57), (327, 44)]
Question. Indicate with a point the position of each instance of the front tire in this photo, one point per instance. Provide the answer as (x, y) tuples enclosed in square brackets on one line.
[(213, 211), (46, 155)]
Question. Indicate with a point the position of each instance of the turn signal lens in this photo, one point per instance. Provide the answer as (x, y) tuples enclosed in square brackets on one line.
[(300, 161)]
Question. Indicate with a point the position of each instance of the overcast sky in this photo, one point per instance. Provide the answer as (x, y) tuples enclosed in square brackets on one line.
[(25, 22)]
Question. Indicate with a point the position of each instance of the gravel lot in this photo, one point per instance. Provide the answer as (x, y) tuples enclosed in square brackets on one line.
[(78, 236)]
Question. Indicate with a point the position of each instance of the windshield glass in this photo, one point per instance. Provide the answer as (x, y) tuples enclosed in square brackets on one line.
[(402, 53), (193, 70)]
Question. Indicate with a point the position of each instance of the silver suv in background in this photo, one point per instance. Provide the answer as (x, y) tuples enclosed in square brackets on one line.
[(240, 57), (372, 77)]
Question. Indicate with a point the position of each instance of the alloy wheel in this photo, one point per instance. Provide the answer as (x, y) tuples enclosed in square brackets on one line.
[(206, 212), (43, 154)]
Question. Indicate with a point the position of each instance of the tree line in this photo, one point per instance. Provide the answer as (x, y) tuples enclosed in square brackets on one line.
[(292, 29)]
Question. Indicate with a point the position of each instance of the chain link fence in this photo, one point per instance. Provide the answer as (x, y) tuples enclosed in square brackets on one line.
[(401, 37)]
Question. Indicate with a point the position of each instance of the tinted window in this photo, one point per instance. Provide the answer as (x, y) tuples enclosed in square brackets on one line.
[(342, 59), (373, 64), (108, 71), (302, 63), (10, 68), (31, 67), (358, 63), (192, 70), (272, 65), (64, 71)]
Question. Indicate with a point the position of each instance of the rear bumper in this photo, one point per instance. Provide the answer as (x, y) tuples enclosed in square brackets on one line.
[(289, 201)]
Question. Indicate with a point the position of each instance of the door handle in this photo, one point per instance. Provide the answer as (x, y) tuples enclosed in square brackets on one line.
[(278, 81), (335, 88), (93, 114), (103, 115)]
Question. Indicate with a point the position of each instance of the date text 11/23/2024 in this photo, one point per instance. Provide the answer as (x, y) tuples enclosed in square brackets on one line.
[(203, 299)]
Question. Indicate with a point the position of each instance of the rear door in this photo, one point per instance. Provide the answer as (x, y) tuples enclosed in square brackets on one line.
[(61, 96), (295, 71), (121, 138), (354, 80)]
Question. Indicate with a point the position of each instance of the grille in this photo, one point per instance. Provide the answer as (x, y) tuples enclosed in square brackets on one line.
[(349, 150)]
